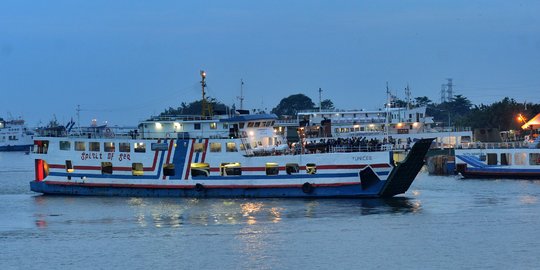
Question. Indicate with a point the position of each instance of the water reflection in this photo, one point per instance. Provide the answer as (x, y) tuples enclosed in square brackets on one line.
[(176, 212)]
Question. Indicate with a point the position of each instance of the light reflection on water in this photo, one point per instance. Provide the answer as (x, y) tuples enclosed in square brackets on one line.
[(174, 213)]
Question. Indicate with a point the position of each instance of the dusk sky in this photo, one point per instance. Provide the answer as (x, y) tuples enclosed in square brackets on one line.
[(123, 61)]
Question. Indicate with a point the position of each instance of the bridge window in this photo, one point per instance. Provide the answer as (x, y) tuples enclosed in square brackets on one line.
[(124, 147), (139, 147), (108, 147), (65, 145), (93, 146), (80, 146), (231, 147), (215, 147), (198, 147), (213, 125)]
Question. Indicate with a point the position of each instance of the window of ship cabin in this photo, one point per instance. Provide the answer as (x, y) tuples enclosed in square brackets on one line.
[(80, 146), (124, 147), (534, 159), (241, 125), (213, 125), (139, 147), (93, 146), (106, 167), (137, 169), (108, 147), (506, 159), (65, 145), (198, 147), (491, 159), (225, 126), (257, 124), (337, 130), (250, 124), (520, 158), (197, 126), (231, 147), (215, 147)]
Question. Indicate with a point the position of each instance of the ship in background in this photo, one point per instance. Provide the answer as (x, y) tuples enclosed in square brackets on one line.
[(15, 135), (507, 157)]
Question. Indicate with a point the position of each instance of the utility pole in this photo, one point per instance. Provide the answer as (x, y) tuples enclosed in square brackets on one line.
[(320, 99)]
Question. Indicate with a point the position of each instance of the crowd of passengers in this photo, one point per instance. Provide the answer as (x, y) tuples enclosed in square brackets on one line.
[(354, 144)]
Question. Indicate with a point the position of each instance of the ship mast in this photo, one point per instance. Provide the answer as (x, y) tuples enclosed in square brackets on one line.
[(387, 118), (241, 97), (206, 107)]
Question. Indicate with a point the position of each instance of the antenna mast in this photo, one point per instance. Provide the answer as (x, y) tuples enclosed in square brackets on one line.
[(79, 118), (408, 94), (206, 107)]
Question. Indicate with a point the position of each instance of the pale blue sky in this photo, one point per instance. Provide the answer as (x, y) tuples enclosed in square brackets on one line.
[(123, 61)]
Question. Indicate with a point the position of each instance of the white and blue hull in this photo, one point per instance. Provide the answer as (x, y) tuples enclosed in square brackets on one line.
[(337, 174)]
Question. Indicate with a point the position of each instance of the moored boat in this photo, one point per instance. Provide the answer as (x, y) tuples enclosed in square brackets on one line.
[(15, 136), (510, 160), (502, 160)]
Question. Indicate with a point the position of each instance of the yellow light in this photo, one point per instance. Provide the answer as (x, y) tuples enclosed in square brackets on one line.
[(251, 133), (176, 125), (158, 125), (415, 124)]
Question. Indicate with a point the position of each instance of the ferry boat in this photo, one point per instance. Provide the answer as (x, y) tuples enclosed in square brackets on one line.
[(15, 136), (400, 125), (216, 156), (501, 160)]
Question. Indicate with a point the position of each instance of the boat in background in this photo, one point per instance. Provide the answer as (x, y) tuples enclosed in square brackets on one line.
[(15, 136), (509, 160)]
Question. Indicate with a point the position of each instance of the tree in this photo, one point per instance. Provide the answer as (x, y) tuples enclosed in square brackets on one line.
[(422, 101), (292, 104), (327, 105), (195, 108)]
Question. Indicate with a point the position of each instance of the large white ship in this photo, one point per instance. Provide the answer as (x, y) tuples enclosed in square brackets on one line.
[(15, 136)]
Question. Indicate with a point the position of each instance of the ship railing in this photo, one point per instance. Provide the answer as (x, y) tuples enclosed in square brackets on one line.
[(494, 145)]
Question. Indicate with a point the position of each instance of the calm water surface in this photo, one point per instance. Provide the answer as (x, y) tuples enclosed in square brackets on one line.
[(440, 223)]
